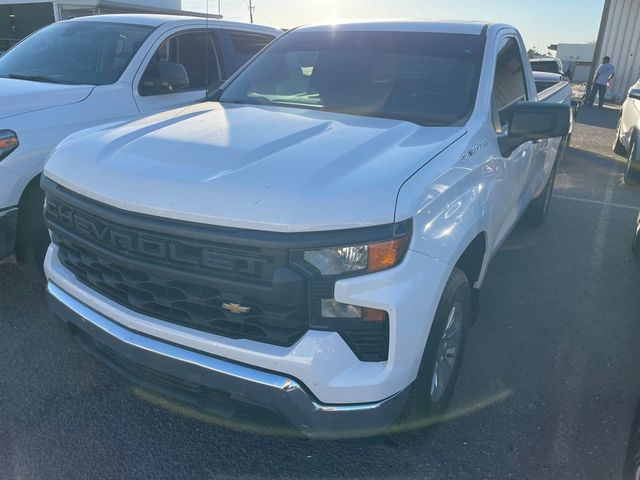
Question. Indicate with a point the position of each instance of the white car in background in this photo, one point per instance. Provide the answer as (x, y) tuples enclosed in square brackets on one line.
[(88, 71), (627, 134)]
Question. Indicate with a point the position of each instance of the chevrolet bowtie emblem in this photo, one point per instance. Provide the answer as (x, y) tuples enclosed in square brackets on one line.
[(235, 308)]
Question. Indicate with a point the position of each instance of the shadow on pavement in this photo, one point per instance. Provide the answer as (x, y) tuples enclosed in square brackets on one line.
[(606, 117)]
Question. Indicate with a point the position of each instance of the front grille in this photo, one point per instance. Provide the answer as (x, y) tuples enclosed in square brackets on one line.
[(184, 279), (235, 283)]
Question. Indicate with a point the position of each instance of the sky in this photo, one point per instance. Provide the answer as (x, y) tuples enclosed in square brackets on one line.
[(541, 22)]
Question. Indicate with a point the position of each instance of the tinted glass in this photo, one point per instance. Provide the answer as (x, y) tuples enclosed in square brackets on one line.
[(425, 78), (509, 84), (549, 67), (246, 45), (195, 52), (94, 53)]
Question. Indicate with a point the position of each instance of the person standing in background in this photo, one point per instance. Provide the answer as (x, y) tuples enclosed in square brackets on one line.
[(604, 74)]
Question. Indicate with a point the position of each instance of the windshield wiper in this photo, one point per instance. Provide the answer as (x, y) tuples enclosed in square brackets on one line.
[(33, 78)]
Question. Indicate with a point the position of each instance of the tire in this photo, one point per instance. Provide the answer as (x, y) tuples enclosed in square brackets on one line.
[(618, 147), (428, 400), (632, 172), (32, 239), (538, 209)]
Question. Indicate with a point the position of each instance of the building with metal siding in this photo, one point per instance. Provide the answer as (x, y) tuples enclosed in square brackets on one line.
[(619, 38)]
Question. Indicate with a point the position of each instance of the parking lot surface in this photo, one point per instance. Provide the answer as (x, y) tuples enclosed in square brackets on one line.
[(547, 390)]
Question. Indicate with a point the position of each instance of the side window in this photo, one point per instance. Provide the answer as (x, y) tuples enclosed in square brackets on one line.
[(509, 84), (245, 45), (193, 54)]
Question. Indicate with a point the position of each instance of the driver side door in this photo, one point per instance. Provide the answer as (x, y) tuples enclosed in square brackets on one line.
[(509, 87)]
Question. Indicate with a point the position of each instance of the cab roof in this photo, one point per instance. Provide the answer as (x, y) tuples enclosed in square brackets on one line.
[(157, 20), (414, 25)]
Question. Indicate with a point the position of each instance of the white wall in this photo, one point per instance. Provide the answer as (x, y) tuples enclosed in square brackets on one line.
[(575, 52)]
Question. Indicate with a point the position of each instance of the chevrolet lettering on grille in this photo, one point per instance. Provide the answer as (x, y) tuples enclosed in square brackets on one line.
[(125, 242)]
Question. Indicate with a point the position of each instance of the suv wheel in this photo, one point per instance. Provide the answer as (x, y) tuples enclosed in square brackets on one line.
[(32, 238)]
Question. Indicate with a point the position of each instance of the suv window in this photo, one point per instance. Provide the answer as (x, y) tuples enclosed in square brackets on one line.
[(509, 84), (195, 51), (245, 45)]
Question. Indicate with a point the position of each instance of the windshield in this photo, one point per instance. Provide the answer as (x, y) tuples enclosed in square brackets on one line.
[(426, 78), (94, 53)]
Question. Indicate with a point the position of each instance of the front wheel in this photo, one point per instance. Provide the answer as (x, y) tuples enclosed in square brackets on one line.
[(432, 391)]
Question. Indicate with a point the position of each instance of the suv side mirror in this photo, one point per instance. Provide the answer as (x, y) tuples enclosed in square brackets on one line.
[(530, 121), (171, 77), (634, 93)]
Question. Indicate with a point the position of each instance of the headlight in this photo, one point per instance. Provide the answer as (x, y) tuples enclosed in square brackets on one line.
[(8, 142), (366, 258)]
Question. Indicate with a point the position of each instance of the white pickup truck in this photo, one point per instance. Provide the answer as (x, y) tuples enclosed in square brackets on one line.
[(310, 242), (88, 71)]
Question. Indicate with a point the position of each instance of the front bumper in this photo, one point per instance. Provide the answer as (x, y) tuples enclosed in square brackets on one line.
[(8, 226), (215, 384)]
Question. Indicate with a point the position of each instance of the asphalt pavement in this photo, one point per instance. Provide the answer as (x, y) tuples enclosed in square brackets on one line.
[(548, 386)]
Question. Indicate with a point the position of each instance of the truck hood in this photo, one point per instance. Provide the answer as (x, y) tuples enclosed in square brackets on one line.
[(256, 167), (23, 96)]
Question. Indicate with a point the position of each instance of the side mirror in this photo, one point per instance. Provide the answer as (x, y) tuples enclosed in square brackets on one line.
[(634, 93), (531, 121), (171, 77)]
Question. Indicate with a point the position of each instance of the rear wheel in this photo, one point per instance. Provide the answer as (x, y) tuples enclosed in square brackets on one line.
[(432, 391), (32, 238), (632, 172), (538, 209), (618, 147)]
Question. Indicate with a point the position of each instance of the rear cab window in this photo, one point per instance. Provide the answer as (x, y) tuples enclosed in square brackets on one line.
[(509, 84)]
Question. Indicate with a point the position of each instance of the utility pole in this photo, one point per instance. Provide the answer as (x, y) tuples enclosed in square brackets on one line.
[(251, 10)]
